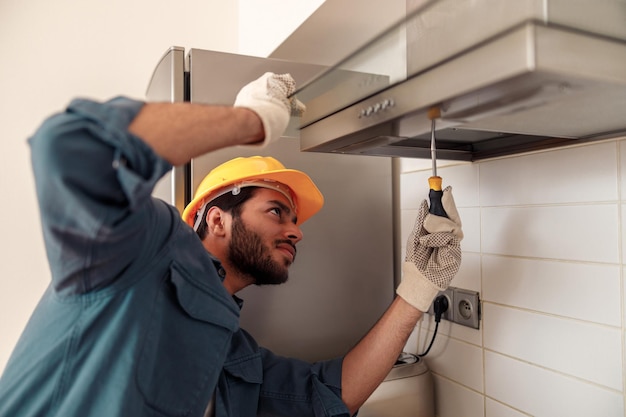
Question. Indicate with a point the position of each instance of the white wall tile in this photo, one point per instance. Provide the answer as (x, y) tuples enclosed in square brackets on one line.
[(454, 400), (455, 360), (569, 289), (622, 151), (543, 393), (576, 348), (468, 276), (467, 334), (470, 218), (623, 226), (464, 333), (414, 164), (581, 174), (624, 293), (582, 233), (462, 178), (424, 331), (496, 409), (413, 189)]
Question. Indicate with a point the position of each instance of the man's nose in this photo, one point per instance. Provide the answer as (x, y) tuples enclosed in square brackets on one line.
[(294, 233)]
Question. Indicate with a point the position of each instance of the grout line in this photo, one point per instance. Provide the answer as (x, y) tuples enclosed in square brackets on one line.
[(620, 248), (553, 315), (550, 205), (505, 405), (555, 371), (429, 331), (480, 272), (555, 260), (454, 381)]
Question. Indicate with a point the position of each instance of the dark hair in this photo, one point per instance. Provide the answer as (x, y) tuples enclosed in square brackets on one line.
[(229, 203)]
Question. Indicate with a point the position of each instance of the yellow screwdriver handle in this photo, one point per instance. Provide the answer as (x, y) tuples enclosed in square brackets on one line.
[(435, 183), (435, 194)]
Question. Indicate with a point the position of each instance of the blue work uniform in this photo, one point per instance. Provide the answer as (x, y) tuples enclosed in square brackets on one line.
[(136, 321)]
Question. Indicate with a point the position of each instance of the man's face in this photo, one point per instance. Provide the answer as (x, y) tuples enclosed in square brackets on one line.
[(263, 239)]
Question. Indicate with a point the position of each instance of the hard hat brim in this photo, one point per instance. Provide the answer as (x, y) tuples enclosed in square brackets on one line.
[(309, 199)]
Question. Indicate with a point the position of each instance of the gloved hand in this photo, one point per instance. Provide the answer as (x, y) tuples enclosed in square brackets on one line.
[(268, 97), (433, 254)]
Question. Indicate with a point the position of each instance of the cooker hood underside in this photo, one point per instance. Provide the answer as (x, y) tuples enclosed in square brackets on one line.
[(536, 86)]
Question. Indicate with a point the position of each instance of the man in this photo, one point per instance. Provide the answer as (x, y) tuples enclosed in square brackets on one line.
[(140, 318)]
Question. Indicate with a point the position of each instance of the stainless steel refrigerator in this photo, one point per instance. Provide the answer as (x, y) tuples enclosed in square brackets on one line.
[(343, 278)]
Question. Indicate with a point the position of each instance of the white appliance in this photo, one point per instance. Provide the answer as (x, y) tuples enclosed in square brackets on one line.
[(343, 278), (408, 391)]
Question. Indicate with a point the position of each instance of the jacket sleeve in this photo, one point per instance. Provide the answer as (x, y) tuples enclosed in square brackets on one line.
[(294, 387), (94, 181)]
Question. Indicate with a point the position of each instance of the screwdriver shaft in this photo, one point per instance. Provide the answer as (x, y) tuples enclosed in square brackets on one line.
[(433, 148)]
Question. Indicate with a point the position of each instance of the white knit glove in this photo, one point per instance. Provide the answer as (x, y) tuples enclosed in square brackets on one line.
[(268, 97), (433, 254)]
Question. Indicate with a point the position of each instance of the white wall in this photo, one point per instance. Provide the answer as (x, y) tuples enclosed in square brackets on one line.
[(544, 245), (264, 25), (50, 53)]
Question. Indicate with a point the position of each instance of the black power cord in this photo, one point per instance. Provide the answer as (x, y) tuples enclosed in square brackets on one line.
[(440, 306)]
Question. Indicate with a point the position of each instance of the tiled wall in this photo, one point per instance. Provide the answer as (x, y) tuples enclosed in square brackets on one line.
[(544, 247)]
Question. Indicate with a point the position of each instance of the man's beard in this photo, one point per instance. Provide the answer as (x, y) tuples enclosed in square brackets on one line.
[(251, 257)]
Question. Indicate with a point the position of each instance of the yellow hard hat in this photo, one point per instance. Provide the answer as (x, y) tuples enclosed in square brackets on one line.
[(257, 171)]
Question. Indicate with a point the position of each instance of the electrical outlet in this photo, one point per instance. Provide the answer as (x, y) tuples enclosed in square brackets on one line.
[(466, 308), (463, 307)]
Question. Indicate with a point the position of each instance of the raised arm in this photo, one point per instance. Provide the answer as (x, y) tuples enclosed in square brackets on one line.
[(179, 132), (96, 164), (369, 362), (433, 258)]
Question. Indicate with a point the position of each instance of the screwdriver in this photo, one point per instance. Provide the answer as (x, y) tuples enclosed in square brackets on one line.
[(434, 182)]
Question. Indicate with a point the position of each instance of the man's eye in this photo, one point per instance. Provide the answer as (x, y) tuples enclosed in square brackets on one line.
[(277, 211)]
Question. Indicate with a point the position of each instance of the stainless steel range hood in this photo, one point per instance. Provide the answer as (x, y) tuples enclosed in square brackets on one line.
[(508, 77)]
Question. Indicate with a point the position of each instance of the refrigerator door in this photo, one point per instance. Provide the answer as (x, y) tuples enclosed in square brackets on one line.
[(342, 279), (168, 84)]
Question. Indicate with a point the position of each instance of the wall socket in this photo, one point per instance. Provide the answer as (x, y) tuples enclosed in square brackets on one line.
[(463, 307)]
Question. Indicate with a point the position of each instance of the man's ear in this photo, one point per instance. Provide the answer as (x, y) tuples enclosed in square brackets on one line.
[(216, 220)]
